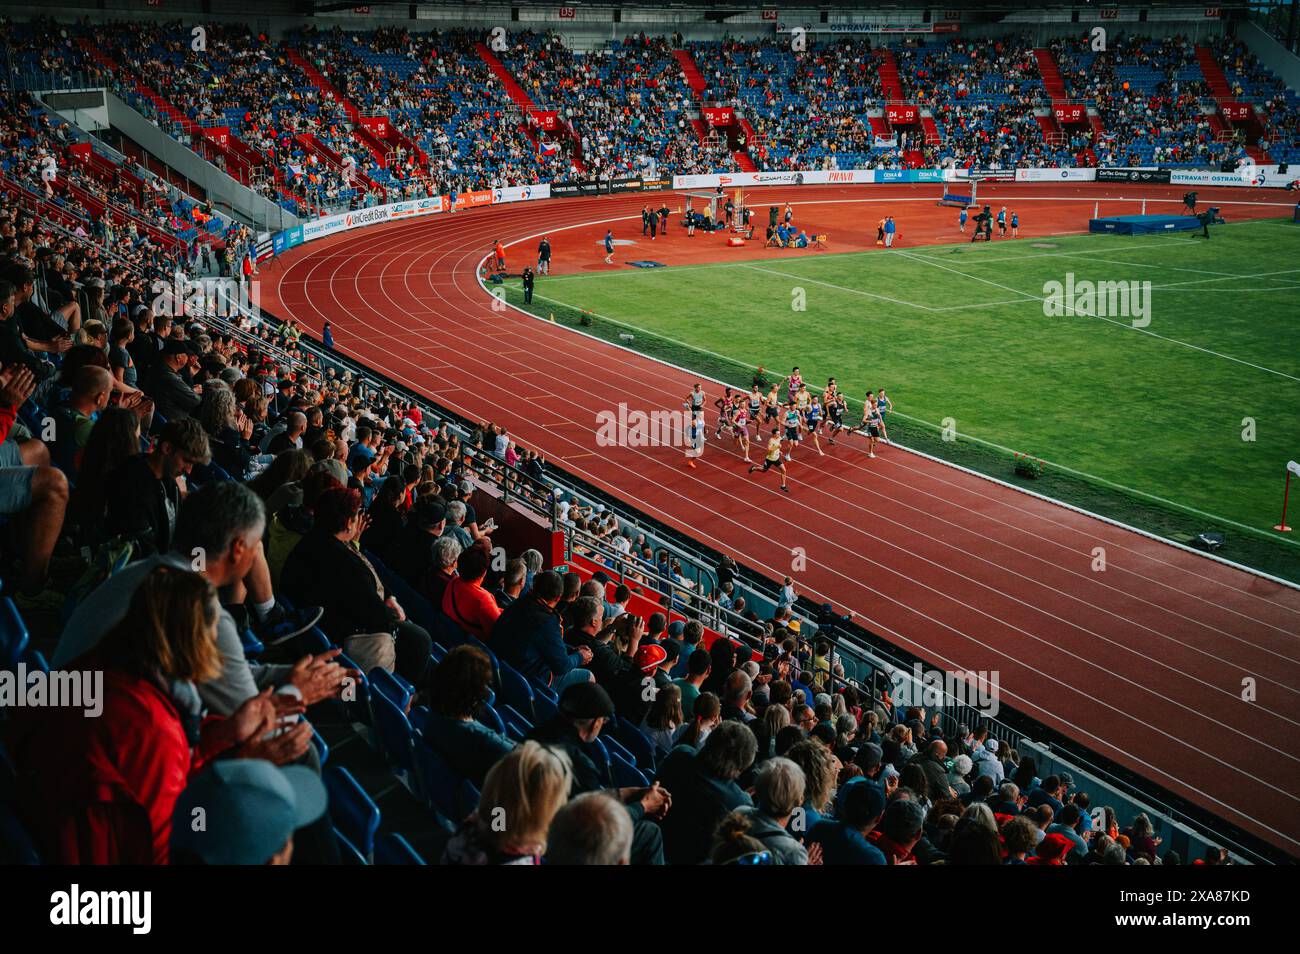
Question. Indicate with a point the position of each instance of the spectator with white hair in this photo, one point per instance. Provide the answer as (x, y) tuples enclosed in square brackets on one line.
[(446, 553), (456, 511), (592, 829), (778, 794)]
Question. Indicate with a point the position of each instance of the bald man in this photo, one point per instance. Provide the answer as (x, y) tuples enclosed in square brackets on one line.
[(72, 421), (291, 438)]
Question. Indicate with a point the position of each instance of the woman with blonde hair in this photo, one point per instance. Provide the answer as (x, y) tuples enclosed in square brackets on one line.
[(521, 794), (102, 790)]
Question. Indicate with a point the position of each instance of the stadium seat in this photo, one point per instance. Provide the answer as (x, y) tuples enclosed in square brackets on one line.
[(352, 812), (396, 689), (517, 726), (13, 634), (635, 741), (393, 849), (393, 730), (321, 746), (488, 715), (625, 774), (515, 691), (449, 794)]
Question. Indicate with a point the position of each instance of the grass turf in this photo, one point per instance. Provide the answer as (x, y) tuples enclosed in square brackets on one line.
[(1146, 424)]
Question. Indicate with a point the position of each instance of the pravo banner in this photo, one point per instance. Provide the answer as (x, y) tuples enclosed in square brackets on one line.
[(902, 114)]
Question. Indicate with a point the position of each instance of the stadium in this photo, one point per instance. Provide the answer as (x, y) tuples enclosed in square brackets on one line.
[(475, 434)]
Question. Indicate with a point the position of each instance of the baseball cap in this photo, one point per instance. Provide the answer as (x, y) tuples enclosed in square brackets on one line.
[(249, 808), (676, 628), (332, 467), (586, 700), (863, 800), (869, 755), (648, 656)]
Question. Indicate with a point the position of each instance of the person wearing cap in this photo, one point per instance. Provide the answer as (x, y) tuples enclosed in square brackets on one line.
[(584, 710), (985, 761), (635, 689), (528, 635), (250, 809), (845, 840), (174, 396), (411, 553)]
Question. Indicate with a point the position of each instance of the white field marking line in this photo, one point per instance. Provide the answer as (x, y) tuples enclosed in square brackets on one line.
[(851, 291), (917, 582), (1106, 520), (1128, 326), (1200, 554), (1162, 245), (1020, 529), (1112, 484), (923, 585), (1078, 473), (963, 634)]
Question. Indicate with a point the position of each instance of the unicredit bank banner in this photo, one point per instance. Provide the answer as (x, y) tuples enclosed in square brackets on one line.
[(813, 177)]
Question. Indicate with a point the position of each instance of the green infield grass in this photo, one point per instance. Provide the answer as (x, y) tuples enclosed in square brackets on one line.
[(1171, 400)]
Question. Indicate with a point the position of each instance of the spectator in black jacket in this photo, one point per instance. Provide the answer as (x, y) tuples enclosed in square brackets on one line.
[(173, 395), (528, 636), (704, 790), (325, 569), (144, 494)]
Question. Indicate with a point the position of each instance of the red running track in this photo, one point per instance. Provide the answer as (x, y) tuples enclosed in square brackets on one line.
[(1144, 663)]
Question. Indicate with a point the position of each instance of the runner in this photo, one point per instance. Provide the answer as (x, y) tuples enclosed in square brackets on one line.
[(884, 406), (1015, 225), (755, 403), (724, 406), (803, 400), (695, 401), (609, 246), (871, 424), (499, 251), (740, 428), (1002, 222), (789, 213), (695, 439), (794, 383), (835, 412), (792, 427), (961, 220), (771, 410), (773, 458), (813, 419)]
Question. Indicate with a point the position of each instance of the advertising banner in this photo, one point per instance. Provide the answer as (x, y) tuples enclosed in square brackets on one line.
[(218, 134), (1069, 112), (471, 200), (545, 119), (378, 125), (1247, 177), (902, 114), (1160, 176), (1067, 174), (520, 194)]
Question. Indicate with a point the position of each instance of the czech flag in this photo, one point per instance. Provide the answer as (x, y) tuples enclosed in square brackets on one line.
[(547, 148)]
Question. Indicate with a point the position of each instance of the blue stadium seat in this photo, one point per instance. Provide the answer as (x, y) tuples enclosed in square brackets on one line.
[(352, 812), (516, 692), (321, 746), (393, 728), (393, 849), (635, 741), (348, 852), (488, 715), (626, 775), (394, 687), (446, 792), (13, 634)]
